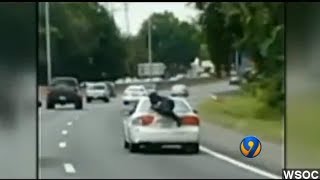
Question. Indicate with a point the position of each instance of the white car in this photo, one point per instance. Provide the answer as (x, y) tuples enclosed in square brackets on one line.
[(144, 128), (133, 93), (95, 91), (179, 90), (156, 79), (204, 75), (234, 78), (150, 87), (119, 81)]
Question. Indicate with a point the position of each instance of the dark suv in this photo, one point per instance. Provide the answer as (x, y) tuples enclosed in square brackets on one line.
[(64, 90)]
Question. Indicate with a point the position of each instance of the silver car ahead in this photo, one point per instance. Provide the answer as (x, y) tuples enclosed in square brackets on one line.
[(96, 91), (145, 128), (179, 90)]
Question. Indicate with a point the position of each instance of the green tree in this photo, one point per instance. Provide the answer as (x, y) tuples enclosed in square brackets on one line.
[(255, 28), (217, 36), (174, 43), (85, 41)]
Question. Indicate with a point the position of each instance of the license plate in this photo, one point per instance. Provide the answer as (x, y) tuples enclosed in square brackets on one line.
[(62, 98), (167, 125), (171, 146)]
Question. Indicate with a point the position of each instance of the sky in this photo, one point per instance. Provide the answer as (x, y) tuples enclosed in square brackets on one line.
[(140, 11)]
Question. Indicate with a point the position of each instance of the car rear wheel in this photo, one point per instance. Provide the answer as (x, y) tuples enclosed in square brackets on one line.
[(125, 144), (192, 148), (50, 105), (134, 147), (89, 100), (79, 105), (106, 100)]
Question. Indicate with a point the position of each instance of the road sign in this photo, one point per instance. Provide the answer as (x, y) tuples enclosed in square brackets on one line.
[(156, 69)]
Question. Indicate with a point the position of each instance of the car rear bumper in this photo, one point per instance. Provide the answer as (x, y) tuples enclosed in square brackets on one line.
[(129, 100), (234, 81), (164, 136), (184, 94), (97, 96), (64, 98)]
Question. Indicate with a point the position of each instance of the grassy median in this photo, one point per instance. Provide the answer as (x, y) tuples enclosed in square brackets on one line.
[(245, 114)]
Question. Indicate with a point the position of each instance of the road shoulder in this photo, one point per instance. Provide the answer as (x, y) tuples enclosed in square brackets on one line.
[(227, 142)]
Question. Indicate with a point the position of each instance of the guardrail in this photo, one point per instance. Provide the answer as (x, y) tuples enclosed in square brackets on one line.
[(160, 85)]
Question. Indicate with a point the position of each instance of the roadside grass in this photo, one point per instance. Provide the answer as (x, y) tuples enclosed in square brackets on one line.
[(244, 114)]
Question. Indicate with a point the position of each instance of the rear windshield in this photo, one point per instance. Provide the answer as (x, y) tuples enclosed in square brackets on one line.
[(150, 86), (179, 107), (98, 87), (67, 82), (179, 87), (135, 89)]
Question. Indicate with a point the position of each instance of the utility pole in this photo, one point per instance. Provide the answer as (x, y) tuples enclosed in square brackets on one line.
[(150, 45), (48, 44), (126, 11)]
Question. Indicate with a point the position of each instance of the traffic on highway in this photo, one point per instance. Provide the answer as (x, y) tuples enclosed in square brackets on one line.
[(154, 101), (101, 140)]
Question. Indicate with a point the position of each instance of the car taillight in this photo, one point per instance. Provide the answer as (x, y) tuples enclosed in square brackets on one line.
[(147, 120), (190, 120), (144, 120)]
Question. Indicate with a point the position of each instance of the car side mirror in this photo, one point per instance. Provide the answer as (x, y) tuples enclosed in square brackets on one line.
[(195, 111), (128, 112), (131, 112)]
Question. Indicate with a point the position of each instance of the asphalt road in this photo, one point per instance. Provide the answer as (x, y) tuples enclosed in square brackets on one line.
[(89, 144)]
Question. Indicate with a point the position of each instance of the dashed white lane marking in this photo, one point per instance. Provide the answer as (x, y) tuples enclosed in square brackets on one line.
[(69, 123), (239, 164), (62, 144), (68, 168), (64, 132)]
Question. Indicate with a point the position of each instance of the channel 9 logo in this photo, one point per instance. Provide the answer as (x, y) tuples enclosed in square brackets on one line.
[(250, 146)]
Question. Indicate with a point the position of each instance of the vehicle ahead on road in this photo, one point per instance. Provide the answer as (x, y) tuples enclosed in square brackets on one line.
[(64, 90), (179, 90), (150, 87), (96, 91), (133, 93), (145, 128), (111, 88), (234, 78)]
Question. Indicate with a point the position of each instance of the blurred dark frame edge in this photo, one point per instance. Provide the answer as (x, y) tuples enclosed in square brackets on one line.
[(37, 159), (285, 89)]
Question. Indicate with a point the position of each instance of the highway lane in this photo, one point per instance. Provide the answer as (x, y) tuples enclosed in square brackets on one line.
[(94, 148)]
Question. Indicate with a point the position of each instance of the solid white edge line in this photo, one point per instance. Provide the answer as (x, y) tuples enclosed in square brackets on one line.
[(240, 164), (62, 144), (68, 168), (64, 132)]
